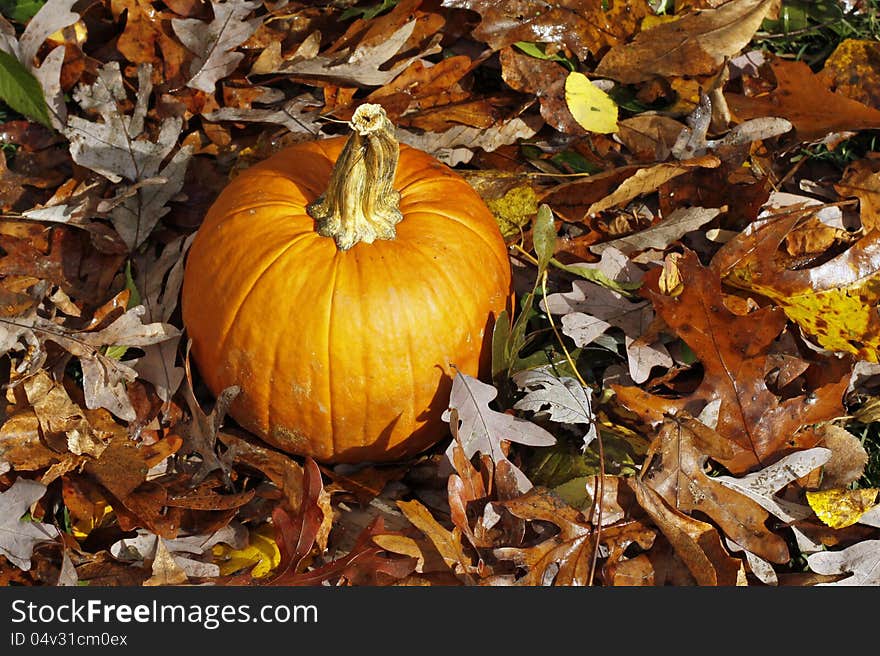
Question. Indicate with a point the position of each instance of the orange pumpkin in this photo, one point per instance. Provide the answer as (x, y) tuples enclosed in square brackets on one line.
[(339, 297)]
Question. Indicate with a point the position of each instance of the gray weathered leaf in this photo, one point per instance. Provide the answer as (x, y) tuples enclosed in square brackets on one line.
[(861, 560), (299, 115), (589, 310), (213, 43), (19, 537), (364, 66), (51, 17), (457, 144), (114, 147), (662, 233), (482, 429), (761, 486), (159, 281), (564, 399), (762, 569)]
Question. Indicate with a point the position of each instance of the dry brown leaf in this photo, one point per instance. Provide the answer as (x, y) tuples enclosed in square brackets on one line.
[(698, 544), (696, 44), (165, 570), (733, 352), (676, 470), (647, 180), (544, 79), (803, 98), (862, 180), (848, 457), (564, 559), (584, 27), (649, 137), (447, 543)]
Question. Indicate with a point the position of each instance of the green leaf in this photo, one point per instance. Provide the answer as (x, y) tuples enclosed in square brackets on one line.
[(544, 237), (368, 12), (500, 341), (21, 91), (134, 298), (21, 11), (537, 50)]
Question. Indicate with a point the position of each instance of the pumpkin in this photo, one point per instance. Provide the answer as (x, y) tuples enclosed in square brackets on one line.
[(341, 284)]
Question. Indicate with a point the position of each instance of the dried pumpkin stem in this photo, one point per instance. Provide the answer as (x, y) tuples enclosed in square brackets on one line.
[(360, 204)]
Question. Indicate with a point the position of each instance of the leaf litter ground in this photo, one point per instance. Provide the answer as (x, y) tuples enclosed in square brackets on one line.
[(686, 390)]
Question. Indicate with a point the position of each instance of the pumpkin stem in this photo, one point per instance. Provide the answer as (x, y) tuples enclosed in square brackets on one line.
[(360, 204)]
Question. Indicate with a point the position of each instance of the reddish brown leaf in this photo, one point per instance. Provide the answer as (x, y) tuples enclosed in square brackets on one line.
[(676, 470), (565, 559), (297, 534), (803, 98), (733, 352), (696, 543), (584, 27)]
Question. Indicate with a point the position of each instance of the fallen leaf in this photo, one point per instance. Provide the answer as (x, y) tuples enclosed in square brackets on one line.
[(851, 69), (213, 43), (159, 281), (831, 302), (112, 148), (675, 469), (260, 556), (165, 570), (839, 508), (732, 350), (546, 80), (564, 399), (565, 559), (585, 27), (482, 429), (696, 543), (663, 233), (861, 180), (647, 180), (363, 67), (592, 108), (589, 310), (695, 44), (447, 543), (860, 560), (761, 486), (848, 457), (803, 98), (456, 145), (18, 536)]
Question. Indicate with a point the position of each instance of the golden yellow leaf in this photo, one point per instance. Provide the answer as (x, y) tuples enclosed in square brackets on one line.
[(261, 552), (841, 508), (592, 108)]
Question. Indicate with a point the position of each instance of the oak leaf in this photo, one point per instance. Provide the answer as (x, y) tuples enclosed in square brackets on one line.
[(697, 543), (585, 27), (112, 147), (18, 536), (565, 559), (589, 310), (860, 560), (564, 399), (833, 302), (482, 429), (695, 44), (213, 43), (675, 469), (733, 352), (805, 100)]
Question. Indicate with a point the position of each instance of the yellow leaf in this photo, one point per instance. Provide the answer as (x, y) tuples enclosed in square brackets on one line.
[(591, 107), (262, 553), (81, 528), (841, 508)]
